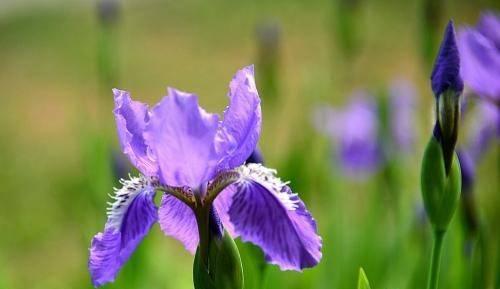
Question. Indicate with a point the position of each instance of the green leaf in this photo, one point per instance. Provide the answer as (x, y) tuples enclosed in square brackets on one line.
[(440, 192), (362, 280)]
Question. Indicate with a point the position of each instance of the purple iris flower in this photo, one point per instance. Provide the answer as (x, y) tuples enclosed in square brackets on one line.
[(485, 130), (402, 104), (480, 56), (198, 161), (354, 131)]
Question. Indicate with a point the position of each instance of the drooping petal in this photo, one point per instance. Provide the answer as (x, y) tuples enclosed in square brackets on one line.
[(181, 136), (240, 130), (130, 218), (265, 212), (222, 204), (131, 118), (446, 72), (177, 220)]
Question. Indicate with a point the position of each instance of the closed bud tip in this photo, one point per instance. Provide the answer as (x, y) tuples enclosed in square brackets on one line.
[(446, 72)]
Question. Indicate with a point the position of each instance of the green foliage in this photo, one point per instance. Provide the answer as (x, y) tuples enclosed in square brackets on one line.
[(363, 280)]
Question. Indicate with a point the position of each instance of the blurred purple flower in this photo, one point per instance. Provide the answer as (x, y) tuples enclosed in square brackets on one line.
[(480, 56), (354, 131), (108, 10), (402, 99), (468, 171), (485, 130), (199, 161), (446, 72)]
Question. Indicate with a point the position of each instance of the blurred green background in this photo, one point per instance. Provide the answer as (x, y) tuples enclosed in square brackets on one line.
[(58, 143)]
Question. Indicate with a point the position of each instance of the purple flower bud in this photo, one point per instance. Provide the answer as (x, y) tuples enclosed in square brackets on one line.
[(446, 72)]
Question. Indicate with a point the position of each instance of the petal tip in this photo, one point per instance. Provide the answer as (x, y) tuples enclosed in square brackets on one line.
[(446, 72)]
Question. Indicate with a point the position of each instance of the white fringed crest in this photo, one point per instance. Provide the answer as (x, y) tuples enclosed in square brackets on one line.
[(124, 196), (267, 177)]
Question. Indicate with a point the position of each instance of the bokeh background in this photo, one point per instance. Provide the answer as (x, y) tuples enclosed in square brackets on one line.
[(60, 156)]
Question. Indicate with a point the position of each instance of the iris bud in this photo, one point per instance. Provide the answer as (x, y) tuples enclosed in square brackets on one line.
[(448, 116), (440, 191), (224, 266), (447, 86)]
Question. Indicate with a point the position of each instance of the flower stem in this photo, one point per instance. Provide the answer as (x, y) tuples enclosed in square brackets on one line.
[(435, 260), (203, 230)]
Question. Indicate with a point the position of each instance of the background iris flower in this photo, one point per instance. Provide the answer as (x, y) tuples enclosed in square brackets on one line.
[(199, 162), (480, 56), (354, 132)]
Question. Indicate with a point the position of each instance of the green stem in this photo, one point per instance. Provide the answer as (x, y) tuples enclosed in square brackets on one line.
[(203, 230), (435, 259)]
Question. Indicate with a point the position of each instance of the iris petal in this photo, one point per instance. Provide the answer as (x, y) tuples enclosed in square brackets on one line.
[(181, 135), (480, 63), (222, 204), (265, 212), (131, 117), (129, 219), (178, 220), (240, 130)]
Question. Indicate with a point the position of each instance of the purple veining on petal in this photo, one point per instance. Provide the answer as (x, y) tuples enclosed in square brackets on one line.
[(402, 122), (240, 130), (480, 57), (261, 209), (181, 135), (111, 249), (446, 72), (222, 204), (178, 220), (131, 118), (287, 236)]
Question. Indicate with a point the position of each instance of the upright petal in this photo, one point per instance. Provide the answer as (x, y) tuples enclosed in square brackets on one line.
[(181, 136), (131, 118), (177, 220), (240, 130), (130, 218), (265, 212)]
